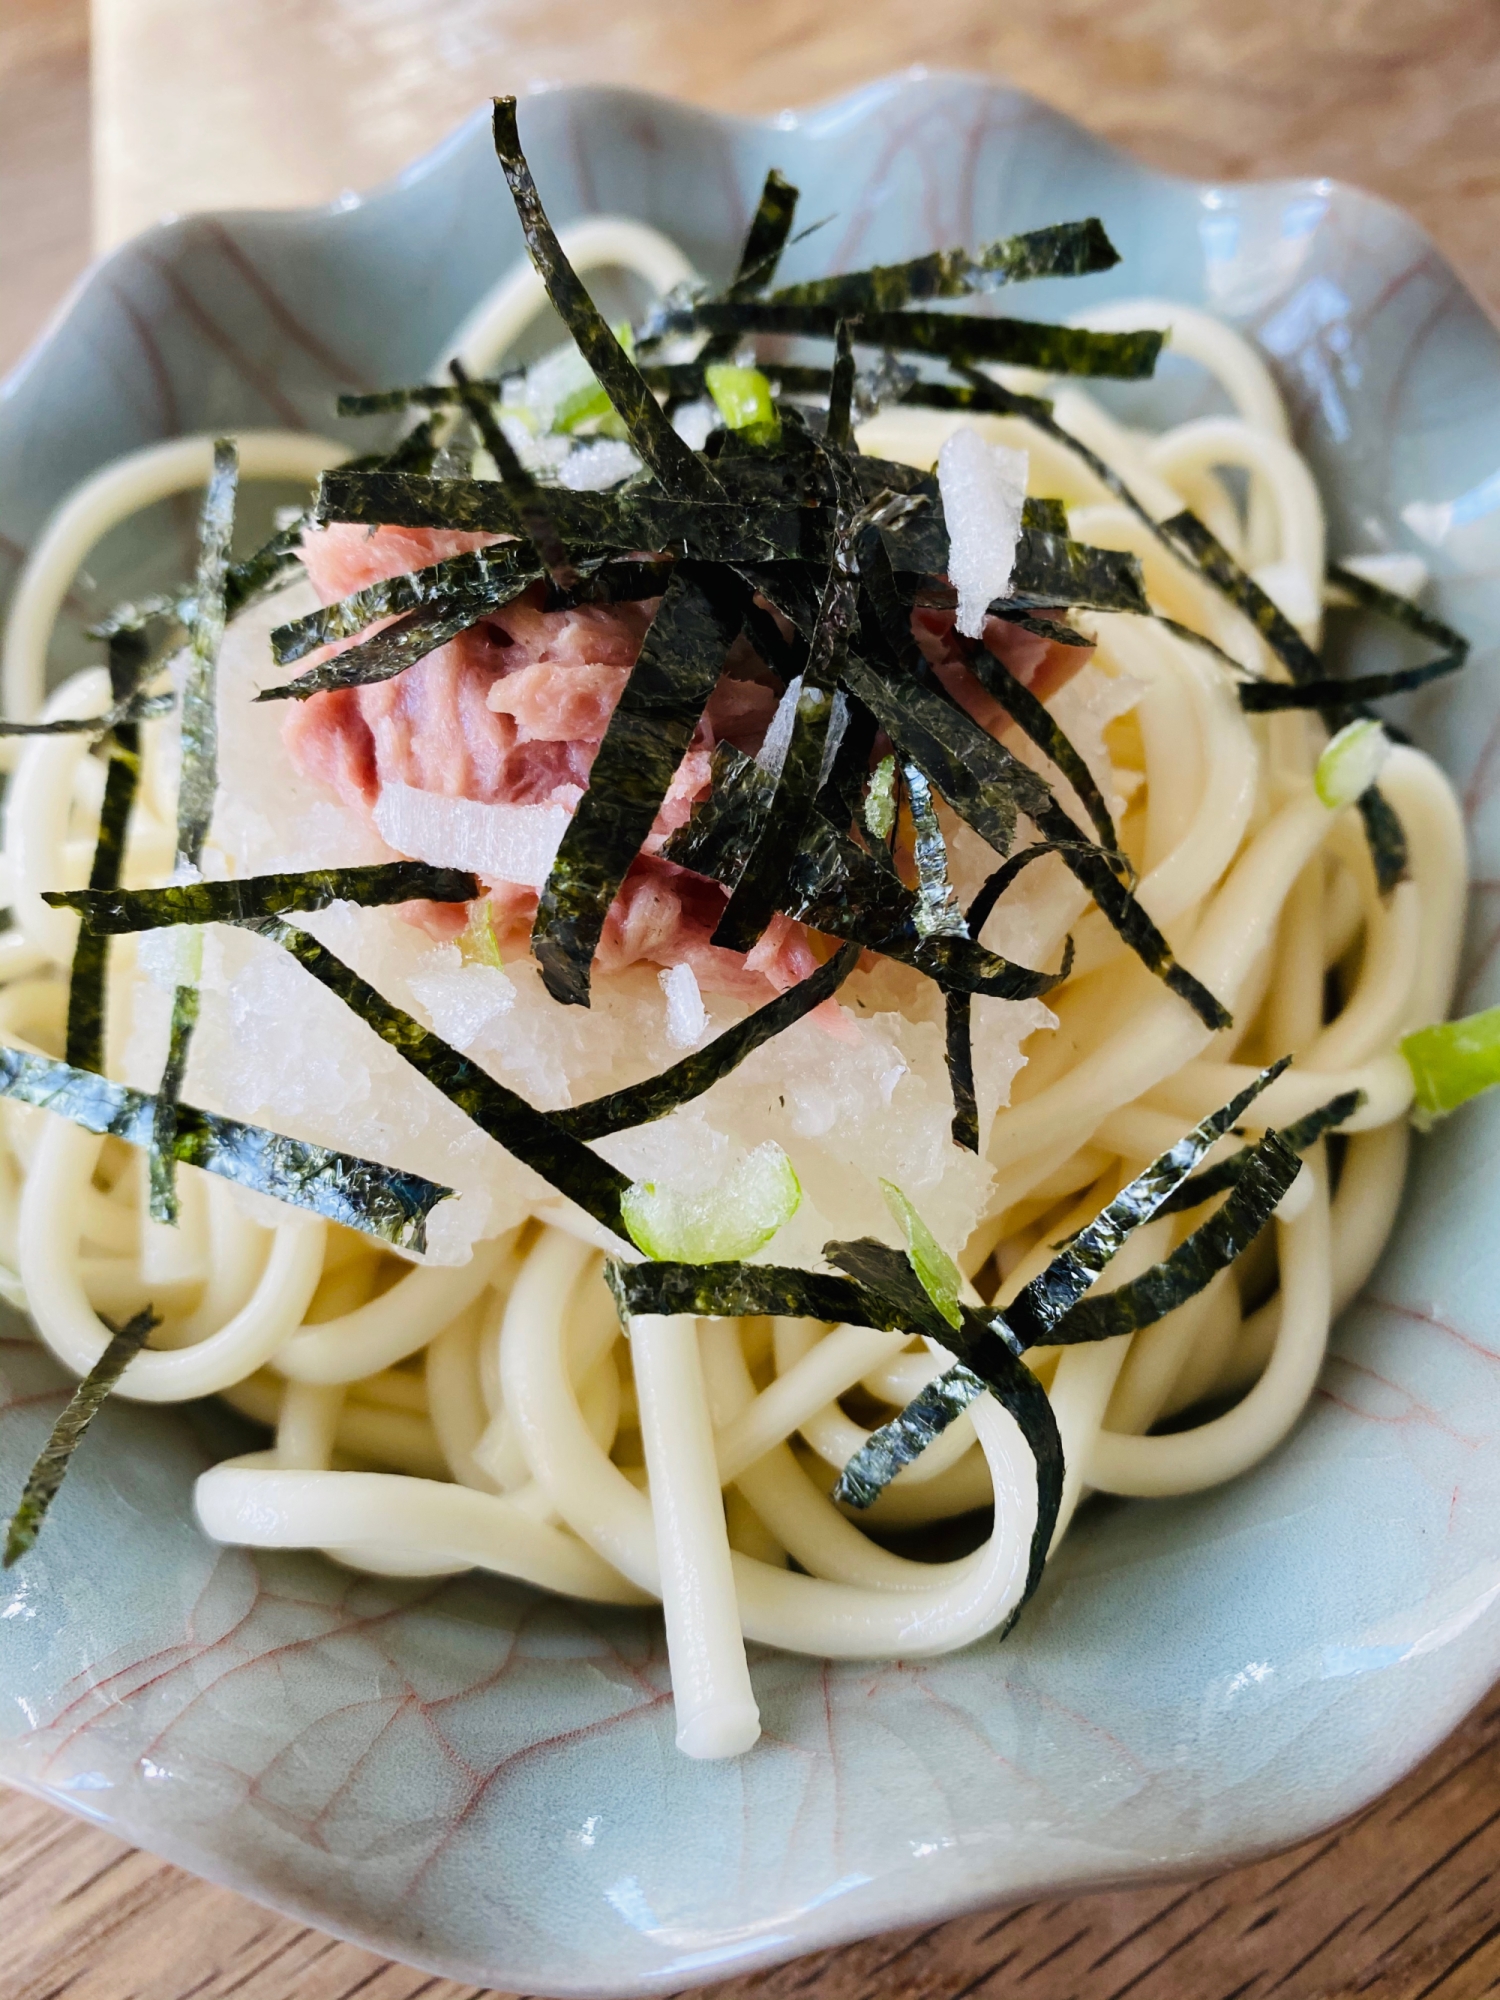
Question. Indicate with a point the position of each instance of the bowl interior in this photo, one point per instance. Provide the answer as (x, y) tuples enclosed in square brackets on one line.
[(483, 1781)]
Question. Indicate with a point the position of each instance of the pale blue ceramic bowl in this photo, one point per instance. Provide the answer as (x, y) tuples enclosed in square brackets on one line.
[(483, 1781)]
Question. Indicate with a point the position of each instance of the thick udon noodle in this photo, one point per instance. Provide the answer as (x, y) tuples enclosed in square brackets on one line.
[(432, 1420)]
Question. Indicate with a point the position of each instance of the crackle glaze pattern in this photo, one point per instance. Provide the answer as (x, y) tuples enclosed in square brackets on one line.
[(482, 1781)]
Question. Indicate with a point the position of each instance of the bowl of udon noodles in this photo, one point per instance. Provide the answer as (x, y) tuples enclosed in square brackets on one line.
[(863, 603)]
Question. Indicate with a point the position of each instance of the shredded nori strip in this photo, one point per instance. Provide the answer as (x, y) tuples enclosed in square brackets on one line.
[(645, 740), (640, 1103), (766, 238), (840, 428), (534, 510), (199, 777), (490, 577), (1385, 837), (1048, 735), (419, 395), (647, 425), (759, 891), (1299, 1135), (1061, 250), (1268, 1172), (385, 1202), (721, 835), (162, 1157), (88, 978), (85, 1403), (392, 650), (1057, 350), (1262, 697), (937, 912), (109, 911), (958, 1053), (119, 715), (535, 1138)]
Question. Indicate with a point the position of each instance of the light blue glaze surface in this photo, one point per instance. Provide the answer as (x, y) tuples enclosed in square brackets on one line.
[(483, 1782)]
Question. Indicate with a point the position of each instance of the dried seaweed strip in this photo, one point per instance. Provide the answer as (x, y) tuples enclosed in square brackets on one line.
[(417, 395), (1055, 570), (647, 736), (1061, 250), (650, 431), (1047, 734), (721, 835), (959, 965), (199, 777), (843, 790), (1264, 697), (770, 228), (640, 1103), (1056, 350), (1385, 837), (531, 501), (1033, 1315), (623, 521), (162, 1156), (109, 911), (1202, 550), (734, 1291), (1045, 517), (840, 428), (385, 1202), (937, 912), (1299, 1135), (395, 648), (531, 1135), (958, 1053), (759, 890), (88, 979), (47, 1474), (492, 575), (1268, 1172)]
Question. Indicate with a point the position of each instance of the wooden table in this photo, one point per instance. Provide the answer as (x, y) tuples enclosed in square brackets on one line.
[(289, 100)]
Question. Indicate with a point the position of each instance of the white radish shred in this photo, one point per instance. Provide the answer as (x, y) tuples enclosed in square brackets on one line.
[(501, 843), (983, 487), (686, 1016)]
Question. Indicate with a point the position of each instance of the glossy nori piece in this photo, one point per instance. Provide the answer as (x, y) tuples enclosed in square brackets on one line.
[(1049, 737), (937, 913), (1034, 1314), (1299, 1135), (760, 889), (109, 911), (385, 1202), (648, 733), (531, 1135), (986, 786), (766, 238), (489, 577), (1267, 1173), (1262, 697), (1061, 250), (162, 1157), (647, 425), (119, 715), (896, 1444), (1385, 837), (87, 980), (1400, 610), (198, 776), (85, 1403), (531, 500), (1202, 550), (1046, 517), (721, 835), (419, 395), (640, 1103), (1058, 350), (958, 1053), (393, 649), (839, 430)]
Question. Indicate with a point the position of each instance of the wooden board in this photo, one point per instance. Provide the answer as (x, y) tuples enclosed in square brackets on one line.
[(202, 105)]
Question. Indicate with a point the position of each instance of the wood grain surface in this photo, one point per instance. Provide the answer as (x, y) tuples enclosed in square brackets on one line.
[(202, 105)]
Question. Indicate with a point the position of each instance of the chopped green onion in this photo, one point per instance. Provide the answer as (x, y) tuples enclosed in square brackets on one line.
[(1452, 1062), (935, 1269), (743, 396), (1351, 763), (880, 800), (479, 941), (730, 1222)]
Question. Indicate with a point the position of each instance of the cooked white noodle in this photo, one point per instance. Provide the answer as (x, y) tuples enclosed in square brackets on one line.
[(492, 1416)]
